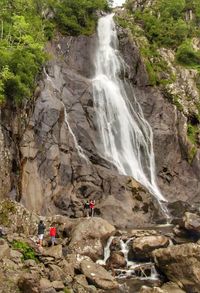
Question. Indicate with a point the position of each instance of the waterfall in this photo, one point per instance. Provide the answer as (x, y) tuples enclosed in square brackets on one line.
[(126, 138)]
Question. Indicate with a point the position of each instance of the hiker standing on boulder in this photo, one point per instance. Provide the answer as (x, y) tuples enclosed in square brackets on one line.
[(41, 229), (92, 205), (52, 232), (87, 208)]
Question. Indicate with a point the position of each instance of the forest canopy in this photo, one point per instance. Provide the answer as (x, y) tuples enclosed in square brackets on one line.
[(25, 27)]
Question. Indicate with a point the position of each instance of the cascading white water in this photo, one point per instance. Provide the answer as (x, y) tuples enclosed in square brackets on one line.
[(77, 146), (125, 251), (106, 252), (126, 138)]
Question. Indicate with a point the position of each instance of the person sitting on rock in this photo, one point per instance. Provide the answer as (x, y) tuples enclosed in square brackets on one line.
[(52, 233), (92, 205), (41, 229), (87, 208)]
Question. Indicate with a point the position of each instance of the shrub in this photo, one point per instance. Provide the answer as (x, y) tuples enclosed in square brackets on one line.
[(187, 56), (25, 249)]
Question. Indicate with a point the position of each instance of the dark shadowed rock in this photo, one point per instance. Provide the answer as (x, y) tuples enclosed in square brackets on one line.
[(116, 260)]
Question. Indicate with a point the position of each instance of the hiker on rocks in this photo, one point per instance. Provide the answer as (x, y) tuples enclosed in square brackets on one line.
[(41, 229), (87, 208), (92, 205), (52, 233)]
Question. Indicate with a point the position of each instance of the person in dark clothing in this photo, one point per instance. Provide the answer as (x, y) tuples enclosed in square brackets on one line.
[(41, 229), (87, 208)]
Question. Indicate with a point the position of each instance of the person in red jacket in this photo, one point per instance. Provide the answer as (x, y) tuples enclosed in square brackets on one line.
[(92, 205), (52, 233)]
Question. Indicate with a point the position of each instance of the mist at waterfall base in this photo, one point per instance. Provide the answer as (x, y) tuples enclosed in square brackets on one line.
[(125, 137)]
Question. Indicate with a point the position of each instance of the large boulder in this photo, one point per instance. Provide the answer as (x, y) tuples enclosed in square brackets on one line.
[(89, 235), (143, 246), (98, 276), (192, 222), (53, 251), (181, 264)]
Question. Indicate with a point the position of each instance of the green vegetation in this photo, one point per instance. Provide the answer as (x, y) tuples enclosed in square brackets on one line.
[(25, 27), (193, 132), (78, 16), (164, 24), (187, 56), (25, 249), (6, 209)]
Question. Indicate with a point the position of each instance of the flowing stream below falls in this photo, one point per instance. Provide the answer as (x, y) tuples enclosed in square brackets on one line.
[(134, 274)]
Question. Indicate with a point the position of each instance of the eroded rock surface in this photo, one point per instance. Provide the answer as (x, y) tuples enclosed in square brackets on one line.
[(181, 264), (60, 163)]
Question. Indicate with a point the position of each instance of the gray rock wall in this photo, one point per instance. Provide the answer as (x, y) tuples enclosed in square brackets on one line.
[(56, 178), (178, 179)]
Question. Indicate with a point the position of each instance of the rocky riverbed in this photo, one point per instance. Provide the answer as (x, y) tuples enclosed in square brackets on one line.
[(91, 255)]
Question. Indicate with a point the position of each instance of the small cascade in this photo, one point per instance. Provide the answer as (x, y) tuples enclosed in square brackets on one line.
[(125, 251), (135, 270), (106, 252), (77, 146), (143, 271)]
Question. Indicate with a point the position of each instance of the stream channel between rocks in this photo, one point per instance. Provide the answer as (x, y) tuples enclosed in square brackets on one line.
[(129, 272)]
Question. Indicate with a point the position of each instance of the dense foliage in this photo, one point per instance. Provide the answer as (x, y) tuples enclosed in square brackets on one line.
[(171, 24), (25, 26), (158, 27)]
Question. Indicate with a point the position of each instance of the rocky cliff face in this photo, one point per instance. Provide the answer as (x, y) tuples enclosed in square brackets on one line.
[(59, 164), (178, 176)]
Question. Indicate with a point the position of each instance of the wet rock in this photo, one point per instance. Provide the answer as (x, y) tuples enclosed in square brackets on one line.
[(143, 246), (146, 289), (192, 223), (116, 260), (181, 264), (98, 276)]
